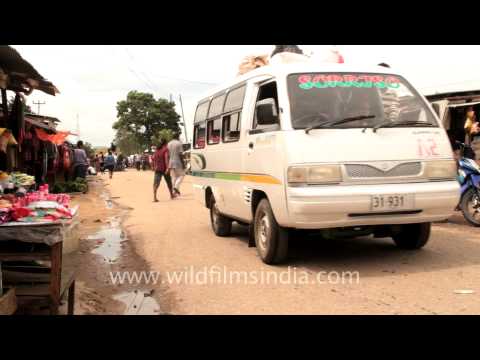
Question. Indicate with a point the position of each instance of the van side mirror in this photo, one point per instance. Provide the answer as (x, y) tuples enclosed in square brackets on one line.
[(266, 112)]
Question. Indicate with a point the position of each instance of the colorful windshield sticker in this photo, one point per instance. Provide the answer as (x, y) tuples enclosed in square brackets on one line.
[(307, 82), (427, 148)]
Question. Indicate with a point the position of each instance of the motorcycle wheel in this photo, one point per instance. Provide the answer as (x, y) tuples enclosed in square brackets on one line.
[(470, 206)]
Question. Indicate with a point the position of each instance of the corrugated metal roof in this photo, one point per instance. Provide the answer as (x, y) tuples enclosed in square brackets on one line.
[(21, 74), (39, 124)]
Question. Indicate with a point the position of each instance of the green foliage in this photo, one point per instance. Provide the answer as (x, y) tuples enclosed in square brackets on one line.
[(165, 134), (89, 150), (79, 185), (126, 143), (141, 118)]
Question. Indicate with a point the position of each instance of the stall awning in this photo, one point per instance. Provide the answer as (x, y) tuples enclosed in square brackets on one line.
[(58, 138), (39, 124), (19, 75)]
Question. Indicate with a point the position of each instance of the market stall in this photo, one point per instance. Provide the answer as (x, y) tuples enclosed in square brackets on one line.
[(452, 107), (33, 229), (34, 223)]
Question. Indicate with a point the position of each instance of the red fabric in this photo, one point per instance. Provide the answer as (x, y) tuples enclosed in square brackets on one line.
[(66, 158), (159, 159), (20, 213), (57, 139)]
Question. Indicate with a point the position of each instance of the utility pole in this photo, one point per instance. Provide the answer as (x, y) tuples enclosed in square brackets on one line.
[(171, 98), (38, 103), (183, 118), (78, 128)]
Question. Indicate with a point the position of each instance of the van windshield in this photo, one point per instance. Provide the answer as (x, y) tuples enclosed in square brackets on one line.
[(355, 100)]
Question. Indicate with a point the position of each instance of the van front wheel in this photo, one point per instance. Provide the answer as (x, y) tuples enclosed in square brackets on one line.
[(412, 236), (271, 239), (221, 225)]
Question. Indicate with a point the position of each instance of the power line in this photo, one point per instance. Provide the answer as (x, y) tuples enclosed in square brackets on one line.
[(133, 72), (147, 79), (170, 78)]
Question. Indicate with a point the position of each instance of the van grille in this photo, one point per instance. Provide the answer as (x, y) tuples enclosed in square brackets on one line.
[(369, 171)]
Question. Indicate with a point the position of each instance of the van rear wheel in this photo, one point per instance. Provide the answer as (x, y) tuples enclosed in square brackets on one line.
[(221, 225), (412, 236), (271, 239)]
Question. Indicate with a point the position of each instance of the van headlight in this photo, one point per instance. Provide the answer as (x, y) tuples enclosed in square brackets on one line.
[(441, 169), (318, 174)]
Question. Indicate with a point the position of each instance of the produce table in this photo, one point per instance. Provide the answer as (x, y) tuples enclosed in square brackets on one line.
[(31, 260)]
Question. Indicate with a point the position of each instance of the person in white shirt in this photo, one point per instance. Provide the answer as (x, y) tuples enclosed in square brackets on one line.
[(176, 166)]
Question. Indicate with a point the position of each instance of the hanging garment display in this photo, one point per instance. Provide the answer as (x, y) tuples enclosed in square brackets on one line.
[(44, 164), (6, 138), (16, 121), (67, 158), (36, 147)]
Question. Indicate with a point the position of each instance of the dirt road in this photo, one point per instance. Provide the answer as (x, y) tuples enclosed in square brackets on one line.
[(175, 237)]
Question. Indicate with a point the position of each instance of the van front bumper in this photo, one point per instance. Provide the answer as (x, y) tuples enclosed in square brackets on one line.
[(317, 207)]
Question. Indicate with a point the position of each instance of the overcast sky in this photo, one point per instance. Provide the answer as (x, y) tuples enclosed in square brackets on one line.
[(91, 79)]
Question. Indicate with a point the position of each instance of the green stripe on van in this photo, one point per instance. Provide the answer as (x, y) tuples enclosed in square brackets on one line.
[(256, 178), (217, 175)]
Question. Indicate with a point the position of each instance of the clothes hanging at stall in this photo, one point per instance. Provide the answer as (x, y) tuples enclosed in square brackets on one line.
[(6, 138), (67, 157), (16, 120)]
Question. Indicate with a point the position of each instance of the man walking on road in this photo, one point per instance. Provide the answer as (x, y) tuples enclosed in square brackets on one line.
[(110, 163), (160, 162), (80, 161), (177, 171)]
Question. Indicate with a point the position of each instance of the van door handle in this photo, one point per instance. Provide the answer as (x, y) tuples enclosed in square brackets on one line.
[(250, 145)]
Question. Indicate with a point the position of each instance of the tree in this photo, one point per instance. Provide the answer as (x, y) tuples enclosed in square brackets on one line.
[(141, 117), (165, 134), (127, 144), (89, 150)]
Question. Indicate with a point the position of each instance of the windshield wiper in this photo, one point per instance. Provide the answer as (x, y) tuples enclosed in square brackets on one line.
[(338, 122), (389, 123)]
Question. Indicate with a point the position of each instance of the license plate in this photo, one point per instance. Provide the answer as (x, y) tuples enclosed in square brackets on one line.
[(392, 202)]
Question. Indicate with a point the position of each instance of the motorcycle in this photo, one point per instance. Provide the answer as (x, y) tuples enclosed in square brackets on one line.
[(469, 179)]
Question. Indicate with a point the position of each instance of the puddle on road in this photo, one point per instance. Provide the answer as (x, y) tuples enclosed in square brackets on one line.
[(108, 200), (110, 238), (138, 303)]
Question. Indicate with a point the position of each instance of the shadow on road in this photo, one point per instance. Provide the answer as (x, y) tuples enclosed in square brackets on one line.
[(375, 257)]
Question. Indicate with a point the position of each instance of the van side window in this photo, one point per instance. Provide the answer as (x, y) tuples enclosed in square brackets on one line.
[(231, 127), (201, 113), (199, 135), (213, 131), (235, 99), (199, 125), (267, 91), (216, 106)]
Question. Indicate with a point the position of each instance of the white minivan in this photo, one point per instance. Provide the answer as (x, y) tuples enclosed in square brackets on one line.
[(343, 149)]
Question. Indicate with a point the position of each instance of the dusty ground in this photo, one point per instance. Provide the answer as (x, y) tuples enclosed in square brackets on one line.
[(173, 236), (104, 247)]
